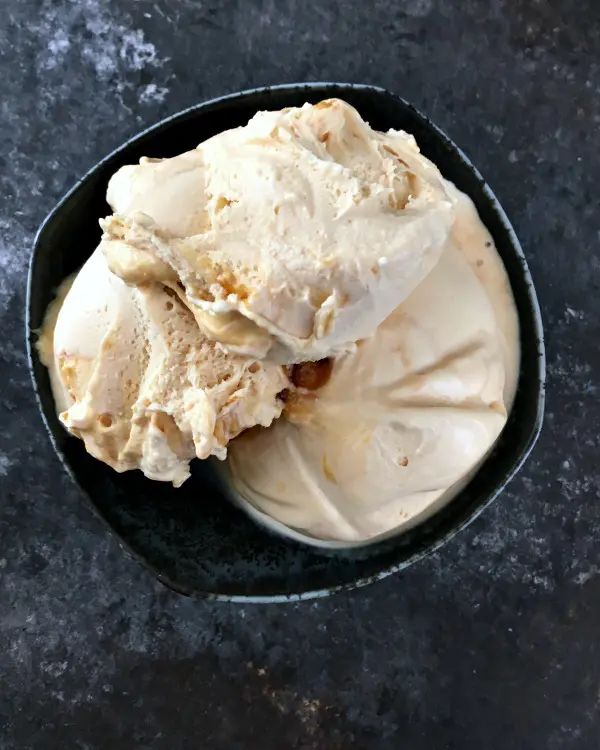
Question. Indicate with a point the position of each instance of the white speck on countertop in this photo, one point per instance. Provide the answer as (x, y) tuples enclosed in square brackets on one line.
[(585, 575), (58, 46), (5, 464), (152, 93)]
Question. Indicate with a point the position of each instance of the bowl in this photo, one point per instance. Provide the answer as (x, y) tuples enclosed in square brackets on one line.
[(191, 538)]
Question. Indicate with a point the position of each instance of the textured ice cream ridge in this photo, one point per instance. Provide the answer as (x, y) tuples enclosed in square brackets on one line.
[(292, 237)]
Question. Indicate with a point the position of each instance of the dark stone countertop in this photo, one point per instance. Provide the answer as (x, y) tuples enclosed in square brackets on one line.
[(490, 644)]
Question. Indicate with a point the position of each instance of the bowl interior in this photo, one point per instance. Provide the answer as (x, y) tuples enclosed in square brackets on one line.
[(192, 538)]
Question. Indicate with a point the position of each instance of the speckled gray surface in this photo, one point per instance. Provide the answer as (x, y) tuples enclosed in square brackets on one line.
[(491, 643)]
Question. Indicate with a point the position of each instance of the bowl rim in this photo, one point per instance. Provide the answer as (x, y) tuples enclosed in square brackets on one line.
[(444, 536)]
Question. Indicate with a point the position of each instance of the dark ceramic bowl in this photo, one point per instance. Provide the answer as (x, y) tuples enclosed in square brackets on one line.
[(191, 538)]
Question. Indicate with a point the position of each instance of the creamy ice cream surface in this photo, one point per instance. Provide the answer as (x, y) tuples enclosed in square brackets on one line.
[(140, 383), (304, 259), (45, 346), (405, 418), (292, 237)]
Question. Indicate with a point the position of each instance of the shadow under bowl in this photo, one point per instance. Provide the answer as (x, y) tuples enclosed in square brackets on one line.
[(191, 538)]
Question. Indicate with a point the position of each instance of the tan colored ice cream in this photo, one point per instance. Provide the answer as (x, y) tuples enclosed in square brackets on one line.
[(291, 237), (45, 346), (302, 236), (405, 418), (138, 382)]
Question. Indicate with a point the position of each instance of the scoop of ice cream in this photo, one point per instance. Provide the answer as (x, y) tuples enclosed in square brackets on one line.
[(401, 421), (292, 237), (146, 389)]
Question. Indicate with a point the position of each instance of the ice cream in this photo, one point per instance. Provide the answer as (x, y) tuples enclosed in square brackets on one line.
[(405, 418), (45, 346), (138, 382), (292, 237), (307, 260)]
